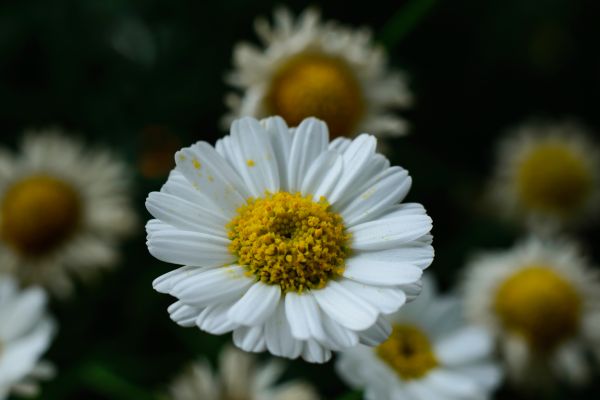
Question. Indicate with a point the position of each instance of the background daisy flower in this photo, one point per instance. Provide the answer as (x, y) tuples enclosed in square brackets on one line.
[(62, 209), (313, 68), (548, 174), (295, 244), (541, 301), (25, 334), (239, 377), (431, 354)]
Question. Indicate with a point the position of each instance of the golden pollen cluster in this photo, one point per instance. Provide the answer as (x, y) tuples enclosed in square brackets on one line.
[(38, 213), (539, 305), (408, 351), (288, 240), (316, 85), (553, 178)]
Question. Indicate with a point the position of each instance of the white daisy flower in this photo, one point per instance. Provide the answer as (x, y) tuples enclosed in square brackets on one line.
[(239, 378), (548, 175), (431, 354), (543, 304), (295, 244), (62, 209), (313, 68), (25, 334)]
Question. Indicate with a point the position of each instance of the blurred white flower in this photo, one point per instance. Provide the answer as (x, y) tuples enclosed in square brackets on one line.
[(25, 334), (548, 176), (319, 69), (542, 302), (431, 354), (62, 209), (238, 378), (295, 244)]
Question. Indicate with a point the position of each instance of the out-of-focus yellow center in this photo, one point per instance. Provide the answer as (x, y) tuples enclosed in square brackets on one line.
[(408, 351), (553, 178), (317, 85), (38, 214), (539, 305), (288, 240)]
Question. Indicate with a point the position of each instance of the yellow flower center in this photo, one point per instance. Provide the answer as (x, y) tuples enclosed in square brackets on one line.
[(553, 178), (408, 351), (539, 305), (38, 213), (288, 240), (317, 85)]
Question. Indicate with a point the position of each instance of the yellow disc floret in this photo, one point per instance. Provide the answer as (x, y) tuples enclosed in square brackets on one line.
[(288, 240), (540, 305), (553, 178), (408, 351), (38, 213), (317, 85)]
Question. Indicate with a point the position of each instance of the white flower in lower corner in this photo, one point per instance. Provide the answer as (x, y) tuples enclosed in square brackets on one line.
[(295, 244), (25, 334), (431, 354), (548, 175), (542, 302), (63, 209), (238, 378), (320, 69)]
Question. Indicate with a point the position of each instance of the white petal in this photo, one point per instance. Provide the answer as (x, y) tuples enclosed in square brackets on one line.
[(281, 141), (404, 209), (387, 233), (467, 345), (250, 339), (338, 337), (340, 144), (256, 162), (21, 313), (384, 273), (303, 316), (183, 214), (377, 168), (309, 141), (278, 335), (486, 374), (356, 158), (165, 282), (210, 174), (412, 290), (414, 253), (453, 384), (256, 305), (213, 319), (345, 307), (417, 389), (177, 185), (8, 287), (19, 358), (315, 353), (212, 286), (386, 299), (378, 333), (322, 175), (377, 198), (182, 314), (192, 248)]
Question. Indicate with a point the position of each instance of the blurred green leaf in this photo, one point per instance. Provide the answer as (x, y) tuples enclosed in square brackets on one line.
[(404, 21), (106, 381), (354, 395)]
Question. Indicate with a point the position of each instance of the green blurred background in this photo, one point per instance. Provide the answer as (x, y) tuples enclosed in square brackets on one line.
[(145, 77)]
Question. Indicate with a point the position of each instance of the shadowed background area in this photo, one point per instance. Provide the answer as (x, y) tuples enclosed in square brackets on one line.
[(146, 77)]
